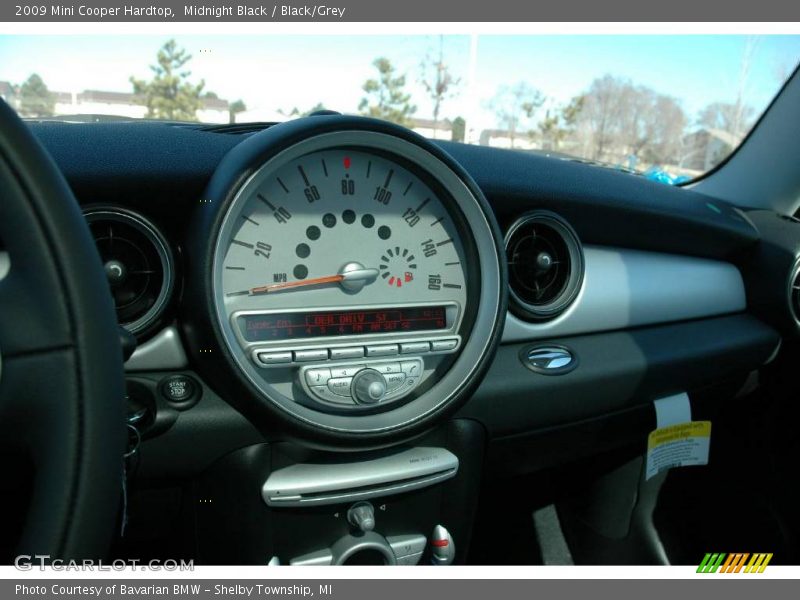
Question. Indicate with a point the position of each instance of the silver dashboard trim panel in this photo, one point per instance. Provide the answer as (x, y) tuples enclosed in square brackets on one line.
[(164, 351), (626, 288), (323, 483)]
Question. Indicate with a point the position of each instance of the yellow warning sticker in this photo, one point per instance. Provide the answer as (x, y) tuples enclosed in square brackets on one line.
[(679, 445)]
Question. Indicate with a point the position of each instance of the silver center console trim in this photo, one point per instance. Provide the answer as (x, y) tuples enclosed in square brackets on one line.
[(336, 482), (625, 288), (164, 351)]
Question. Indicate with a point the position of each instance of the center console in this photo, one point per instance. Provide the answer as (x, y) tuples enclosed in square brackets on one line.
[(285, 504)]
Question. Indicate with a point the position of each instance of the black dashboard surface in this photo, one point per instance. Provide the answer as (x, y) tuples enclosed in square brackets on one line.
[(166, 166)]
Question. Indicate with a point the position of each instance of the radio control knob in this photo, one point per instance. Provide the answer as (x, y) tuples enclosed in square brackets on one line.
[(369, 386)]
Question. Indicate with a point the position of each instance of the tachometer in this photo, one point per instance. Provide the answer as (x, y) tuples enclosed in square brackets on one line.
[(355, 279)]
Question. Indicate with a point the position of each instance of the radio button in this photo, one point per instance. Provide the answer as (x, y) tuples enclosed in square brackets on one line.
[(340, 386), (415, 348), (385, 368), (318, 376), (324, 393), (274, 358), (307, 355), (411, 368), (384, 350), (443, 345), (340, 353), (394, 381), (347, 371)]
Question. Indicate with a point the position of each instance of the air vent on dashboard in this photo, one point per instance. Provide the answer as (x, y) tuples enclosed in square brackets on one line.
[(138, 265), (545, 265)]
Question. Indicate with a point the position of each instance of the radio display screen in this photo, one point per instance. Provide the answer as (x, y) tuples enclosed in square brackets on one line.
[(300, 325)]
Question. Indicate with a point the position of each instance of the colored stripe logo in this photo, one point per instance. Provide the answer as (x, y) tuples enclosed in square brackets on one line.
[(734, 563)]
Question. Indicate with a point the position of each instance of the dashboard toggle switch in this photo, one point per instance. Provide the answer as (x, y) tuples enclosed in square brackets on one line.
[(443, 550)]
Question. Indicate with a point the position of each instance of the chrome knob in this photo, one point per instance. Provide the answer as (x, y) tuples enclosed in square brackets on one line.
[(361, 516), (369, 386)]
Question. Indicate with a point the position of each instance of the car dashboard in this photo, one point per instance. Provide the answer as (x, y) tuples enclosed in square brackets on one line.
[(333, 299)]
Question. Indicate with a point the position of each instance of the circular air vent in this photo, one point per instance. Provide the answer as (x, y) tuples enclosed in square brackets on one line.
[(138, 265), (545, 265)]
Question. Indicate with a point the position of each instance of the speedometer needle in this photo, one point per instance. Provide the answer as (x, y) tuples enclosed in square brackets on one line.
[(353, 277)]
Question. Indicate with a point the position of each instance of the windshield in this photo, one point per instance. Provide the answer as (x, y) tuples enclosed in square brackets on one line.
[(668, 107)]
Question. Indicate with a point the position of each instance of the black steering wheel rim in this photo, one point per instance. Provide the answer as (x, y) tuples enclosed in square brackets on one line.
[(61, 383)]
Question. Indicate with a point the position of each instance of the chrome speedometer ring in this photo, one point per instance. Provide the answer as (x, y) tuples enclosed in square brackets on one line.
[(355, 261)]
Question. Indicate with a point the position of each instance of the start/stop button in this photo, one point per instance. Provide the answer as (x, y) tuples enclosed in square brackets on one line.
[(180, 390)]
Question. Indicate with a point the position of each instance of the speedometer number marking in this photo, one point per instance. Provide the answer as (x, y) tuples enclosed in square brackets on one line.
[(262, 249), (310, 191), (382, 195), (348, 186), (279, 212), (411, 217)]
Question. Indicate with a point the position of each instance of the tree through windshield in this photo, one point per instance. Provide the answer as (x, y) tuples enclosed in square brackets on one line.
[(669, 107)]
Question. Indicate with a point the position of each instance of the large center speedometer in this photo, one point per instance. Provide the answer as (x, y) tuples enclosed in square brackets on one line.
[(337, 229), (355, 274)]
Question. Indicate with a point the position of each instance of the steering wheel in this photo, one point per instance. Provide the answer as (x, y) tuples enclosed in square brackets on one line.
[(61, 376)]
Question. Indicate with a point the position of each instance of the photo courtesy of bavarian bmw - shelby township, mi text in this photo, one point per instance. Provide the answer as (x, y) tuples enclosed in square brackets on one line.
[(358, 299)]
